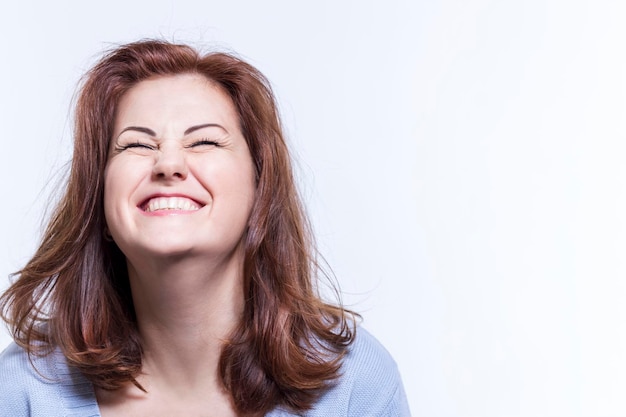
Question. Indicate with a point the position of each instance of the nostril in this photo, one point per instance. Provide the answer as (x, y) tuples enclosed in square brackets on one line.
[(170, 166)]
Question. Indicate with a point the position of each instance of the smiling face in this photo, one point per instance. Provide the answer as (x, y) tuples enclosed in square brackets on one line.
[(179, 178)]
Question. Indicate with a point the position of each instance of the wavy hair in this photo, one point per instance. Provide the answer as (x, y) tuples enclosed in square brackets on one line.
[(74, 293)]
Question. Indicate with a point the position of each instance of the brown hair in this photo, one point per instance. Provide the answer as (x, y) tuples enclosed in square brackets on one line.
[(74, 292)]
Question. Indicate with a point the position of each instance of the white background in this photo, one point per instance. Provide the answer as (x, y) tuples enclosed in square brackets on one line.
[(462, 160)]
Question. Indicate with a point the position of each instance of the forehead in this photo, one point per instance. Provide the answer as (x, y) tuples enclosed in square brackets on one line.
[(182, 98)]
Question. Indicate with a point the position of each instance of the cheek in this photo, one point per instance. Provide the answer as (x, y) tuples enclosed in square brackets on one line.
[(116, 186), (243, 185), (233, 188)]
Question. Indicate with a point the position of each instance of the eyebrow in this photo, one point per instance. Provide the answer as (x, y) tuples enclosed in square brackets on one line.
[(138, 129), (153, 133), (198, 127)]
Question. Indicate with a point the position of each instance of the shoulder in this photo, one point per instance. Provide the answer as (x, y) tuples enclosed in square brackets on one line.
[(19, 380), (367, 359), (42, 386), (370, 384)]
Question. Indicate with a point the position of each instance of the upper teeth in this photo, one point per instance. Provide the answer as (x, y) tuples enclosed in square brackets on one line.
[(171, 203)]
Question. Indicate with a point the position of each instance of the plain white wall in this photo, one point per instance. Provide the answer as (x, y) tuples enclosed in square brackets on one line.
[(463, 162)]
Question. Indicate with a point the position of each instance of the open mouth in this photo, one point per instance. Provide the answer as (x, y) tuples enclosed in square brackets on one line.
[(170, 203)]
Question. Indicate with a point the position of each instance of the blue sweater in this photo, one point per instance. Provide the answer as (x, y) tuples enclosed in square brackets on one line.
[(370, 385)]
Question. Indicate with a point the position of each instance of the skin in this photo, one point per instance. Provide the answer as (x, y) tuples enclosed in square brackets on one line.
[(179, 136)]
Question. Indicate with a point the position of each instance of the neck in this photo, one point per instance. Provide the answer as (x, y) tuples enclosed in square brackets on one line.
[(185, 310)]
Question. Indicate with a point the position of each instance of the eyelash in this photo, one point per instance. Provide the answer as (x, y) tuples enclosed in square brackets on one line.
[(134, 145), (152, 148), (204, 142)]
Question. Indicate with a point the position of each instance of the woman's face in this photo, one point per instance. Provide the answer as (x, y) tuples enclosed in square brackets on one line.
[(179, 178)]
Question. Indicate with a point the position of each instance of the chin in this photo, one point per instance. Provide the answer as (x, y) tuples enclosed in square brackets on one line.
[(155, 249)]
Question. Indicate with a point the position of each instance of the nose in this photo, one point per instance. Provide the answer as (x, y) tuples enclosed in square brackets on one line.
[(170, 163)]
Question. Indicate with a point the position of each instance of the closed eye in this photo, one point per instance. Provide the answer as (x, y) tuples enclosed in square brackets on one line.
[(139, 145), (203, 142)]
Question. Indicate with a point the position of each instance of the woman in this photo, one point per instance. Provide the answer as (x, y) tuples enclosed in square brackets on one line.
[(176, 276)]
